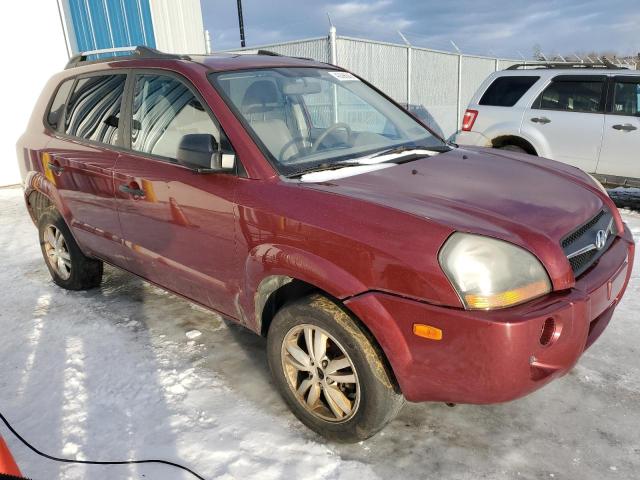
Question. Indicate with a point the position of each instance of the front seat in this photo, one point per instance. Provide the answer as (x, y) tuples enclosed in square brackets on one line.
[(265, 113)]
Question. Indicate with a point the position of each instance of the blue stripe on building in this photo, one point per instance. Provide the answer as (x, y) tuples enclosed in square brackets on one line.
[(101, 24)]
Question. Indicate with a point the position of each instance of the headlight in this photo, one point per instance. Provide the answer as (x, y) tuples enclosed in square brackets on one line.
[(598, 184), (489, 273)]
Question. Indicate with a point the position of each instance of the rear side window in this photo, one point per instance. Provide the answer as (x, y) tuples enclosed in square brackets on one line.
[(573, 95), (506, 91), (93, 110), (57, 105)]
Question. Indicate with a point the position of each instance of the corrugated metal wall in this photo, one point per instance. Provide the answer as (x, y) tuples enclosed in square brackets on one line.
[(433, 75), (98, 24)]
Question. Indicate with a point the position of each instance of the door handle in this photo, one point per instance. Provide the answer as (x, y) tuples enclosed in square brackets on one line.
[(55, 168), (541, 120), (627, 127), (134, 191)]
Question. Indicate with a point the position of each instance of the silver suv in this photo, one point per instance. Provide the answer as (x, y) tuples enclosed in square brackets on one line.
[(586, 115)]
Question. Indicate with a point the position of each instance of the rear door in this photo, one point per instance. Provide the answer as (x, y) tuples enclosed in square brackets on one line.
[(620, 155), (80, 159), (178, 225), (567, 119)]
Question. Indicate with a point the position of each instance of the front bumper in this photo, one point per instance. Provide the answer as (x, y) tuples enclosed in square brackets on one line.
[(496, 356)]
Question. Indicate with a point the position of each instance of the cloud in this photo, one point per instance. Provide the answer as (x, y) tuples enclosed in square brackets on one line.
[(477, 26)]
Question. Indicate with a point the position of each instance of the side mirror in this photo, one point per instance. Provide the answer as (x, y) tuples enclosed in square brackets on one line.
[(200, 151)]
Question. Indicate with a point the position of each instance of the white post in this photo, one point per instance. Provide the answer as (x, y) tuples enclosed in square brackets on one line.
[(333, 60), (333, 50), (207, 42), (459, 102), (408, 68)]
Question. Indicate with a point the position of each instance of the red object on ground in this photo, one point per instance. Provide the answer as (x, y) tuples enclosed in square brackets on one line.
[(8, 465)]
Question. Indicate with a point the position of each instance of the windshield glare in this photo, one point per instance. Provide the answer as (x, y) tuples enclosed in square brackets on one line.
[(308, 117)]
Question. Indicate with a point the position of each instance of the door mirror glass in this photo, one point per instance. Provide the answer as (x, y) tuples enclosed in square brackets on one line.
[(200, 151)]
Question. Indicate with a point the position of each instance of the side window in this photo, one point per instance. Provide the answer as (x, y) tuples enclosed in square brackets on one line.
[(57, 105), (626, 97), (572, 96), (165, 110), (93, 110), (506, 91)]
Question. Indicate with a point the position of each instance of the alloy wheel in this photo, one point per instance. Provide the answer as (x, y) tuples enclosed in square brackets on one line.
[(320, 373), (57, 252)]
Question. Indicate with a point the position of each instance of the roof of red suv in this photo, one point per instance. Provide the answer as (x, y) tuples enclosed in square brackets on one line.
[(235, 61), (216, 62)]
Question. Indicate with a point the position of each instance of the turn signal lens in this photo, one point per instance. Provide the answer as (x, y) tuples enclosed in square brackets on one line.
[(427, 331), (510, 297)]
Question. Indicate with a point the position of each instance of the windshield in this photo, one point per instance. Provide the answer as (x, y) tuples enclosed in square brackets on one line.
[(310, 118)]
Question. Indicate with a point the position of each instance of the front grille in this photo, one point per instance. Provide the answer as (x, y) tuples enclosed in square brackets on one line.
[(584, 237), (570, 239), (582, 262)]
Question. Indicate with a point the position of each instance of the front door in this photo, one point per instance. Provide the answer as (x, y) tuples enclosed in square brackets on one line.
[(620, 155), (178, 225), (567, 120), (80, 158)]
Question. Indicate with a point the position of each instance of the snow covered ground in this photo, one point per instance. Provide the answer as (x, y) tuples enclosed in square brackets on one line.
[(128, 371)]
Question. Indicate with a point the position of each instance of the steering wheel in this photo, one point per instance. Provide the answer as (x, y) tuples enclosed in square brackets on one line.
[(298, 142), (326, 133)]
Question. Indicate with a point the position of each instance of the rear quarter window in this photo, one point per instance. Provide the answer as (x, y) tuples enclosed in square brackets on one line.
[(93, 109), (57, 104), (506, 91)]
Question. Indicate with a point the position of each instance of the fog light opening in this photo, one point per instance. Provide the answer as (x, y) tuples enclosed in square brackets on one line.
[(548, 333)]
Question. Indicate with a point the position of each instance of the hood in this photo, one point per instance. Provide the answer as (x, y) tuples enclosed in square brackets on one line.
[(526, 200)]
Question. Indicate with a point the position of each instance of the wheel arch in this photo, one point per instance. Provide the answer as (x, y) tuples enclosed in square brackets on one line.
[(278, 291), (516, 140)]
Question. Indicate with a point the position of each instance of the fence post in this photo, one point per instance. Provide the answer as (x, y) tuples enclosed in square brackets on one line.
[(333, 60), (459, 102), (333, 50), (408, 44)]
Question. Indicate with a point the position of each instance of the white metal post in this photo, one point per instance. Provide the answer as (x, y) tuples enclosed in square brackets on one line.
[(333, 60), (409, 53), (459, 100)]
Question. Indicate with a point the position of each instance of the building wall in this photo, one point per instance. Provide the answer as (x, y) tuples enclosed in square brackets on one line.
[(97, 24), (32, 34), (173, 26), (178, 26)]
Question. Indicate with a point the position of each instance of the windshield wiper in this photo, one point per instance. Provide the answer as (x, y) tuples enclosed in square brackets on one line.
[(410, 148), (324, 167)]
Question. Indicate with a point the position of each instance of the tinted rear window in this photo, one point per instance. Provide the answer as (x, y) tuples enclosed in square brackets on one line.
[(57, 105), (93, 110), (506, 91)]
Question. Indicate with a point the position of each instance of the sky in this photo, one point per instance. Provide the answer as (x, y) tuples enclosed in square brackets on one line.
[(505, 28)]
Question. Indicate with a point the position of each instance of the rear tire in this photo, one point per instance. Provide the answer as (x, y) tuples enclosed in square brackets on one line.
[(335, 381), (68, 266), (513, 148)]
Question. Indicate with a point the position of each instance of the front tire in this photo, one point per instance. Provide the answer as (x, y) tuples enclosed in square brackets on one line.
[(332, 376), (68, 266)]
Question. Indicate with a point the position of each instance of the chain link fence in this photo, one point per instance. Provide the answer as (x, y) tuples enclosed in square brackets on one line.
[(436, 85)]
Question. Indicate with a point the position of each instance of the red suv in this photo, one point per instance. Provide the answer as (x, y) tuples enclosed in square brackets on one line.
[(295, 198)]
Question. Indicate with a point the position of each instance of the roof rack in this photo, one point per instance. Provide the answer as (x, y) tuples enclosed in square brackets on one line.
[(138, 51), (534, 66)]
